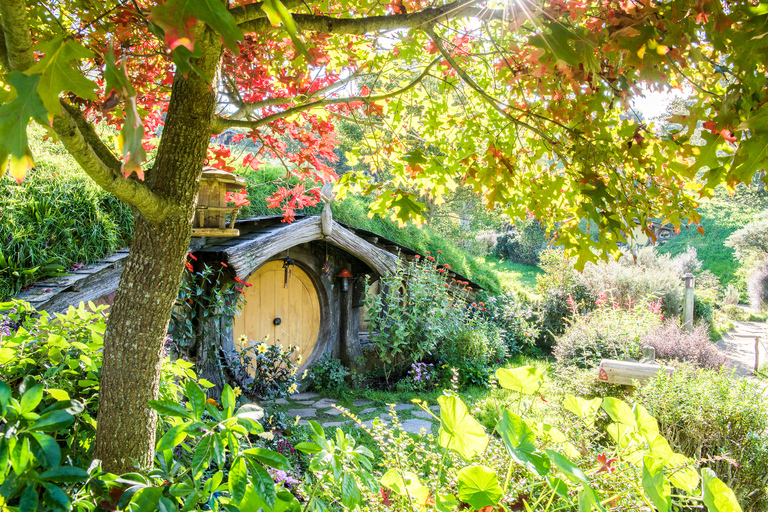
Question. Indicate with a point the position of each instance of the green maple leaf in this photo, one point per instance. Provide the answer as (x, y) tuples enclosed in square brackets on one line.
[(751, 157), (25, 104), (277, 14), (556, 43), (176, 18), (59, 75)]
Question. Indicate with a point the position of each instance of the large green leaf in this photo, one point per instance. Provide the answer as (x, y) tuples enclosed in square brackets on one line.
[(619, 411), (525, 379), (49, 448), (682, 472), (64, 474), (519, 441), (238, 479), (588, 500), (14, 118), (350, 492), (582, 408), (569, 469), (459, 431), (407, 484), (479, 486), (177, 19), (718, 497), (656, 485), (555, 42), (270, 458), (277, 14), (196, 398), (167, 408), (59, 74), (172, 438)]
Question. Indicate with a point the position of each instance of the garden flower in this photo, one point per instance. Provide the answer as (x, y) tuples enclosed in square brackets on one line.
[(237, 391), (263, 348), (243, 339), (293, 389), (605, 463)]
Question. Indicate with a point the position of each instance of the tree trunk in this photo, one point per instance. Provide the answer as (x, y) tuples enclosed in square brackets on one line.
[(138, 319)]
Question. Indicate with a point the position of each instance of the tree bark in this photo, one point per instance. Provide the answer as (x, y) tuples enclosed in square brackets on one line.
[(138, 319)]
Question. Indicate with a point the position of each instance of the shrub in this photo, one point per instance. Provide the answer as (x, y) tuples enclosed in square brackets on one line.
[(672, 343), (703, 309), (554, 311), (606, 333), (757, 287), (732, 296), (558, 273), (750, 242), (267, 371), (711, 416), (328, 375), (518, 322), (418, 313), (64, 354), (524, 243), (57, 217), (687, 262), (473, 342), (647, 275)]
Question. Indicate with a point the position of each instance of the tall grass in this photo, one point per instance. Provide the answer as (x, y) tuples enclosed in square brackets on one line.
[(55, 218)]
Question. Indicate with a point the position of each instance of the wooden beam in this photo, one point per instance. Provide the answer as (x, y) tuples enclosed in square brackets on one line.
[(254, 251)]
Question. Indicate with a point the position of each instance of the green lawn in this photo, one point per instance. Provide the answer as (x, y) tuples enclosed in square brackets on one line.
[(514, 277)]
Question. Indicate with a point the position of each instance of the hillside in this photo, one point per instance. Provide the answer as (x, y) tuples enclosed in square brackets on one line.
[(721, 216)]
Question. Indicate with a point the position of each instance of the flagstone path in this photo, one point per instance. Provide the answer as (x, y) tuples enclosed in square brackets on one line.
[(311, 406)]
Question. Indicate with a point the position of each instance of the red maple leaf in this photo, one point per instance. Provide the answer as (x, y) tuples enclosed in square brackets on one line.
[(605, 463)]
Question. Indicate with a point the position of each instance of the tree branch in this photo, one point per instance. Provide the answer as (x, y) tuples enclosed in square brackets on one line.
[(245, 110), (220, 123), (366, 25), (250, 12), (18, 38), (81, 141)]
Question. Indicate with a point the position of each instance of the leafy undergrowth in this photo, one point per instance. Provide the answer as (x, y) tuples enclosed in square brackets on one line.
[(720, 217), (55, 218)]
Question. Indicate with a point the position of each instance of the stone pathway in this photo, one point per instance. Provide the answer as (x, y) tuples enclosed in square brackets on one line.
[(311, 406), (738, 345)]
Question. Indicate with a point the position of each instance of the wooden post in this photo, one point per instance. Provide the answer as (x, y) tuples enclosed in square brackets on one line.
[(688, 299)]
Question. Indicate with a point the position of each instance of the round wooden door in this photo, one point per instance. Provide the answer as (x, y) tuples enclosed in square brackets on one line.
[(288, 313)]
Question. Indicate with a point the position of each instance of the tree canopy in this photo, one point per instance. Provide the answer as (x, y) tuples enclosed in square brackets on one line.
[(527, 101)]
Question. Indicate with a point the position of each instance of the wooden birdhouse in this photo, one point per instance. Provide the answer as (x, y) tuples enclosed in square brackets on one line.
[(211, 212)]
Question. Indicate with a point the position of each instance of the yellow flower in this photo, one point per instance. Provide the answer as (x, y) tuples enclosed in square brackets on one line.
[(212, 402), (304, 375), (298, 361), (297, 420), (294, 388), (243, 339), (237, 391), (263, 348)]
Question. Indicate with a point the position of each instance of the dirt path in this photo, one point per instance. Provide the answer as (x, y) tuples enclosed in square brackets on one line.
[(738, 344)]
